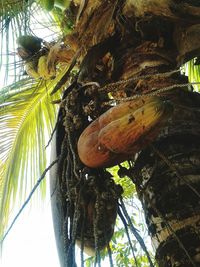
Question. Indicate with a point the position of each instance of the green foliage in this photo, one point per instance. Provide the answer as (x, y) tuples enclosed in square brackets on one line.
[(27, 118), (27, 115), (125, 182), (193, 71), (48, 5)]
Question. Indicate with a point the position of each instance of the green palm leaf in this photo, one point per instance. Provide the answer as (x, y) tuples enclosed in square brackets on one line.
[(27, 118), (193, 72)]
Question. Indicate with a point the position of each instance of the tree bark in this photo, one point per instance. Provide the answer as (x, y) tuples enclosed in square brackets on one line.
[(167, 173), (153, 37), (167, 179)]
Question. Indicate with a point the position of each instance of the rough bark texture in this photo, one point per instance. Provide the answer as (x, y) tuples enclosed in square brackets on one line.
[(168, 184), (167, 176), (167, 173), (136, 38)]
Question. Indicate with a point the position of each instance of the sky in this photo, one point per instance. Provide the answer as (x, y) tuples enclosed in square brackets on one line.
[(31, 241)]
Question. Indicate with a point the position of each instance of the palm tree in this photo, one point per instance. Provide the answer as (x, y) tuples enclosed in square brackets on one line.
[(120, 51)]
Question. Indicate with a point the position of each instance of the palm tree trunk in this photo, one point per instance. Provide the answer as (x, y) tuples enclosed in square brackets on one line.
[(150, 42), (167, 178), (167, 173)]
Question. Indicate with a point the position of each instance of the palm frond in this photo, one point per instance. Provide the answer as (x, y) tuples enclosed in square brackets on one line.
[(27, 118), (193, 72), (14, 21), (21, 18)]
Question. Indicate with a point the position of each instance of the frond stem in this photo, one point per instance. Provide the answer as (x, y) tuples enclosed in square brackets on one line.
[(28, 198)]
